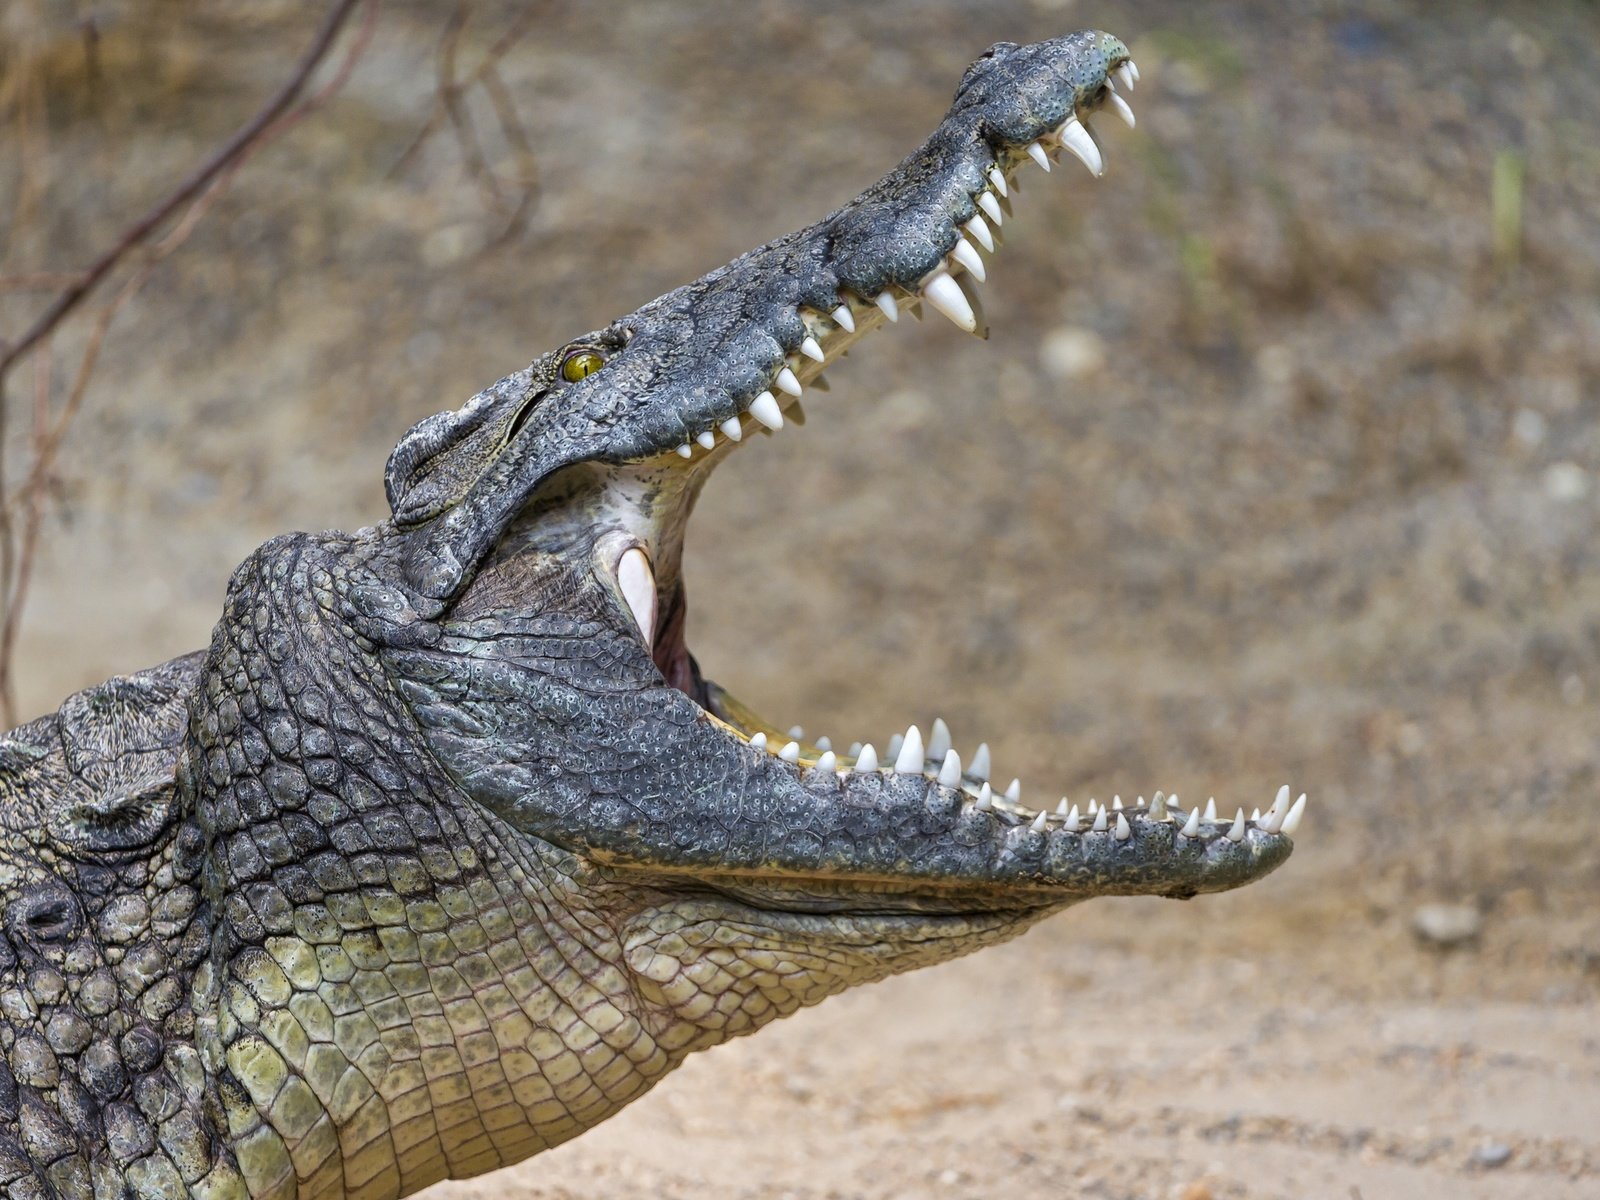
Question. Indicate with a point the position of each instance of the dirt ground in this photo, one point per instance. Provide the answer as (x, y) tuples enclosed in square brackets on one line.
[(1282, 463)]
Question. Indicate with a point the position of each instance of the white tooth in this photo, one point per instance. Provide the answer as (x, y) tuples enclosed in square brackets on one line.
[(1074, 822), (895, 743), (1120, 106), (1037, 825), (979, 229), (1116, 803), (1123, 832), (997, 180), (938, 740), (1061, 808), (638, 584), (1158, 808), (759, 741), (790, 753), (1036, 152), (890, 309), (867, 760), (1093, 804), (991, 207), (1236, 830), (685, 450), (950, 773), (844, 318), (1280, 803), (1211, 810), (787, 382), (764, 408), (1014, 791), (823, 743), (909, 760), (797, 732), (731, 429), (1125, 76), (1192, 825), (1133, 69), (1099, 825), (969, 291), (980, 762), (985, 798), (1292, 821), (945, 294), (828, 762), (969, 258), (1255, 816), (812, 349), (1075, 137), (706, 439), (855, 750)]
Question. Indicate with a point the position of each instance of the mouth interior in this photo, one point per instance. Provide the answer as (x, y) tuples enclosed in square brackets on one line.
[(949, 289)]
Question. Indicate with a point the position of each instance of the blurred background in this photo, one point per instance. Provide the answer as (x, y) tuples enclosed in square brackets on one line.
[(1282, 464)]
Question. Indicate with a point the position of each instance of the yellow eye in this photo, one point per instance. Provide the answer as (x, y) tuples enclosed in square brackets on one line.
[(580, 364)]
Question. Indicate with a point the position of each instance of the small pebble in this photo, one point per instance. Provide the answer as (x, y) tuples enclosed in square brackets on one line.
[(1447, 924), (1491, 1154)]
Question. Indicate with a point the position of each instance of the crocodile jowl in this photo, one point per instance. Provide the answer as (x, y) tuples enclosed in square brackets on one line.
[(444, 851)]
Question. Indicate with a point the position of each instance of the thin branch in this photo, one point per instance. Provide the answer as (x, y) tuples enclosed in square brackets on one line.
[(140, 230), (18, 551)]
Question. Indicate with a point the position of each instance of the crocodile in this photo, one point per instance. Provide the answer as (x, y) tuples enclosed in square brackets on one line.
[(445, 850)]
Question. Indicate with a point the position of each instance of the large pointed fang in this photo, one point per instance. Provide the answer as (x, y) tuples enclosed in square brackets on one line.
[(1236, 830), (867, 760), (945, 294), (1125, 75), (991, 207), (764, 408), (1119, 106), (997, 180), (731, 429), (964, 253), (707, 439), (787, 382), (844, 318), (979, 229), (1036, 152), (1123, 832), (890, 309), (950, 773), (638, 584), (1076, 138), (909, 760), (1292, 821), (812, 349)]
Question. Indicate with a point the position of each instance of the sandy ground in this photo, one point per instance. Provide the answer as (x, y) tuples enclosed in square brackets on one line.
[(1273, 468)]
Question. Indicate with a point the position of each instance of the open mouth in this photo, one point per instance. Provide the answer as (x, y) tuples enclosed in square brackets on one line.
[(818, 336)]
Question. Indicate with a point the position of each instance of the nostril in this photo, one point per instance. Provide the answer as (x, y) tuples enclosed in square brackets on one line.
[(44, 914)]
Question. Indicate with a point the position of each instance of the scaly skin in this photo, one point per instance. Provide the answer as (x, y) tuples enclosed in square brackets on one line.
[(444, 851)]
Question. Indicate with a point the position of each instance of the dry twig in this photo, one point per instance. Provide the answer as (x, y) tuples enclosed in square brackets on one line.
[(200, 191)]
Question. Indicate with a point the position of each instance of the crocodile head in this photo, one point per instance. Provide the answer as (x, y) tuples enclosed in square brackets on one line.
[(484, 854), (544, 528)]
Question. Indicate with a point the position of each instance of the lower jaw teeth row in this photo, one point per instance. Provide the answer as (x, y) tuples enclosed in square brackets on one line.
[(938, 761)]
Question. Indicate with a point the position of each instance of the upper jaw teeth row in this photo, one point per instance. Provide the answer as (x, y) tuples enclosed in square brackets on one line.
[(949, 288), (937, 760)]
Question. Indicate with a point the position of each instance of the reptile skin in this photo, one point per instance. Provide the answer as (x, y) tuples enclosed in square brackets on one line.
[(444, 850)]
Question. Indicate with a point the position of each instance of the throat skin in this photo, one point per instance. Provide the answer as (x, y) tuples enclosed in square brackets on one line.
[(443, 851)]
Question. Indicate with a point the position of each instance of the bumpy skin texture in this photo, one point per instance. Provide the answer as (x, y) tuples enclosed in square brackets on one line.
[(435, 858)]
